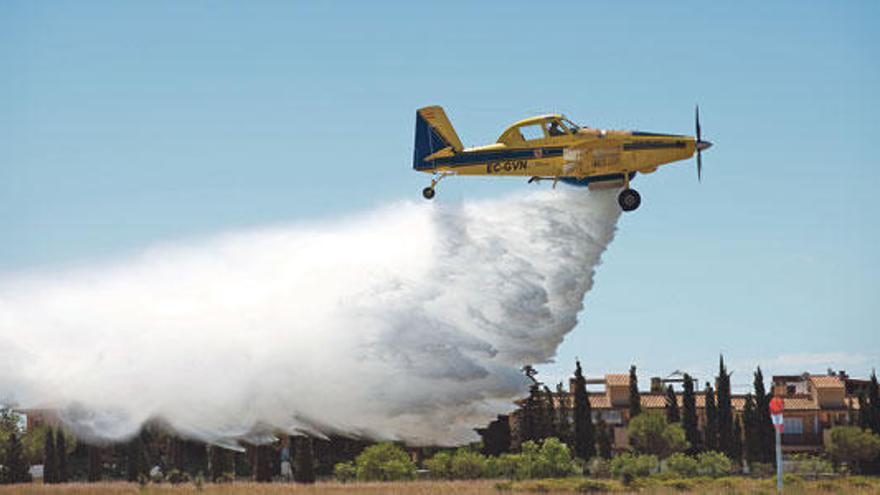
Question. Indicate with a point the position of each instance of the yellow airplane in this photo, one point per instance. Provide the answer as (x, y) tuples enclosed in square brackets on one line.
[(551, 147)]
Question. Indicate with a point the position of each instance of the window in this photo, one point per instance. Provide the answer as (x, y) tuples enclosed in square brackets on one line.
[(556, 128), (794, 426), (532, 132)]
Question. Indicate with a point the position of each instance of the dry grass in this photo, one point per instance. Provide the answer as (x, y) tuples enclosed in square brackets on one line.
[(855, 485)]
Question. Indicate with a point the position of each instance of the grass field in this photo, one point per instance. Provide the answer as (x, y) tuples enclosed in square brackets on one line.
[(733, 485)]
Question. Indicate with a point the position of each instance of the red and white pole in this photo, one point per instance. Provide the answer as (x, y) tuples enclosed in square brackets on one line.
[(777, 405)]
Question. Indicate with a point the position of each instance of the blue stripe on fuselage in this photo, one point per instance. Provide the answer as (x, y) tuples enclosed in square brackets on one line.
[(477, 157)]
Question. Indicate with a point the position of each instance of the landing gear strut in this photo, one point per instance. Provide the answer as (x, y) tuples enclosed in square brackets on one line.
[(429, 191), (629, 199)]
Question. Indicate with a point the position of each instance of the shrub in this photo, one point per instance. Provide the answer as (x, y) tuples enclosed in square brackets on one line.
[(504, 486), (503, 466), (761, 469), (629, 466), (651, 434), (811, 466), (551, 460), (713, 464), (682, 465), (599, 467), (345, 471), (467, 465), (384, 462), (853, 445), (440, 465)]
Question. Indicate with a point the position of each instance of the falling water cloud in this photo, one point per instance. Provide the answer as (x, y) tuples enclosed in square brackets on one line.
[(408, 323)]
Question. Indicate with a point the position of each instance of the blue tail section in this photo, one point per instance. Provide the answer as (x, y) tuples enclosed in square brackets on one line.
[(428, 142)]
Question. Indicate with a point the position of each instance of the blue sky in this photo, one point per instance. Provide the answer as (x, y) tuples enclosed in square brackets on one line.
[(125, 124)]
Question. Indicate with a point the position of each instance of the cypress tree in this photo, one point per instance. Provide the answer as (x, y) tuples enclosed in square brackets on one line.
[(689, 415), (672, 415), (864, 412), (262, 464), (528, 423), (584, 433), (753, 441), (61, 455), (635, 399), (725, 412), (15, 467), (94, 473), (496, 436), (874, 404), (736, 448), (548, 415), (763, 424), (304, 461), (710, 434), (603, 438), (220, 463), (563, 412), (50, 462), (134, 465)]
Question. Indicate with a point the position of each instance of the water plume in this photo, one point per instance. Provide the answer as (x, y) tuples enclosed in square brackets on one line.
[(409, 323)]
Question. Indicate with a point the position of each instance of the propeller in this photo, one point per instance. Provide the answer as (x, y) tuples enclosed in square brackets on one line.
[(701, 145)]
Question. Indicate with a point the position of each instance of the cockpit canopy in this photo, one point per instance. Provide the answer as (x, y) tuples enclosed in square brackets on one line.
[(537, 128)]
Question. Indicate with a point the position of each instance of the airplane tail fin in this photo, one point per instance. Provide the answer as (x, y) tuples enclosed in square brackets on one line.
[(434, 132)]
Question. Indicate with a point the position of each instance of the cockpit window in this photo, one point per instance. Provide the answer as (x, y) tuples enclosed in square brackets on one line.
[(556, 128), (532, 132), (571, 125)]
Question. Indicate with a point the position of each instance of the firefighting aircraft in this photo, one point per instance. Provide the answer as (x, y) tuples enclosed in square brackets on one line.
[(551, 147)]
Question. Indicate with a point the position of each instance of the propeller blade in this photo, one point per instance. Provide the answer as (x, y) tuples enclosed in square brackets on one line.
[(697, 119), (699, 166)]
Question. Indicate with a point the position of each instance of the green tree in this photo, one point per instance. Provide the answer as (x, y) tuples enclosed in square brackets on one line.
[(467, 465), (649, 433), (853, 445), (713, 464), (50, 459), (672, 415), (710, 432), (736, 452), (14, 468), (94, 473), (681, 464), (628, 466), (135, 464), (635, 399), (221, 463), (603, 438), (304, 460), (384, 462), (496, 436), (689, 415), (564, 411), (763, 425), (752, 445), (725, 411), (874, 404), (61, 455), (584, 433)]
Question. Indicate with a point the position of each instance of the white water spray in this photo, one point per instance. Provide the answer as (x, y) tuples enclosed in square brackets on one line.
[(410, 323)]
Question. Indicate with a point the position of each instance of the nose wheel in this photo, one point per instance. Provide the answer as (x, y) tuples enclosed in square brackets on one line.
[(629, 199), (428, 192)]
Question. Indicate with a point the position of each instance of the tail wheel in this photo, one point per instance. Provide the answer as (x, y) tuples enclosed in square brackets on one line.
[(428, 192), (629, 199)]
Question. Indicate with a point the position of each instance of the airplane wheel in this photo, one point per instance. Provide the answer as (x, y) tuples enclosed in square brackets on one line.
[(428, 192), (629, 199)]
